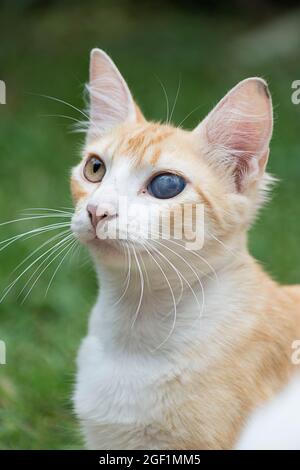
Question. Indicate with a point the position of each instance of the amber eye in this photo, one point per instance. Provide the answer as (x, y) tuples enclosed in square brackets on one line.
[(94, 169)]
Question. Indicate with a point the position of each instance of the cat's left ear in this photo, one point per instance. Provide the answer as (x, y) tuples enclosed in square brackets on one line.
[(237, 132), (111, 102)]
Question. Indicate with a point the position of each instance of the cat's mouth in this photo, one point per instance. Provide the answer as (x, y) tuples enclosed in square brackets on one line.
[(116, 247), (114, 243), (107, 245)]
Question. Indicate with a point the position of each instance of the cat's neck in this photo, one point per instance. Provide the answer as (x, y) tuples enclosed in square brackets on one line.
[(164, 309)]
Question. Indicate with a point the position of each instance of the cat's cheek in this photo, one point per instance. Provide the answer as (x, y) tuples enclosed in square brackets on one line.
[(82, 229), (78, 190)]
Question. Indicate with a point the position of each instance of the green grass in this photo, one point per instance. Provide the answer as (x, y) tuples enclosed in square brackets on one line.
[(46, 52)]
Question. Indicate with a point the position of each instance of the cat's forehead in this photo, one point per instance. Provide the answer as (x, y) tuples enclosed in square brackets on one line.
[(140, 143)]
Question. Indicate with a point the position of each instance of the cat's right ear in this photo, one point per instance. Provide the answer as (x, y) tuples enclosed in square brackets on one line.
[(111, 102)]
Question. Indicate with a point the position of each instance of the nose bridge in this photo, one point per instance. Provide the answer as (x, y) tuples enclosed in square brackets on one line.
[(114, 185), (103, 205), (105, 195)]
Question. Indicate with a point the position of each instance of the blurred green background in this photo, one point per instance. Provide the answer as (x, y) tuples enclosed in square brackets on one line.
[(44, 49)]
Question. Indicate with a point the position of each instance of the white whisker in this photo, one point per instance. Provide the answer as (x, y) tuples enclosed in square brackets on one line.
[(189, 114), (59, 265), (65, 247), (62, 116), (62, 102), (59, 235), (142, 287), (52, 250), (191, 268), (166, 97), (179, 273), (200, 257), (69, 210), (173, 299), (127, 280), (176, 98), (53, 98), (30, 234), (36, 217), (146, 273), (235, 254), (10, 286)]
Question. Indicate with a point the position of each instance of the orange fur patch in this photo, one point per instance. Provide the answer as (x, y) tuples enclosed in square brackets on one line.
[(141, 139), (76, 190)]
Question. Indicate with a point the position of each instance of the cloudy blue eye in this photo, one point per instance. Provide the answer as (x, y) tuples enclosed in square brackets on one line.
[(166, 185)]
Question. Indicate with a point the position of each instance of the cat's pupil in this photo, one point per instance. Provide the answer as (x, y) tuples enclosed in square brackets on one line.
[(96, 166)]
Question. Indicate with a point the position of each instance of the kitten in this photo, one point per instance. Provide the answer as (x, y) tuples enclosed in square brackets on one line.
[(183, 345)]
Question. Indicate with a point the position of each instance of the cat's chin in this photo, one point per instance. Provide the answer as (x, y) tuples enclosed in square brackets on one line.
[(107, 249)]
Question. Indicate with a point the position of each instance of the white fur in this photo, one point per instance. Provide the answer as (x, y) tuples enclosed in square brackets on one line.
[(276, 425), (123, 389)]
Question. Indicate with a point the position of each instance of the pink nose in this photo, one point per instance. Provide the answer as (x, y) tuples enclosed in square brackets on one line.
[(100, 213)]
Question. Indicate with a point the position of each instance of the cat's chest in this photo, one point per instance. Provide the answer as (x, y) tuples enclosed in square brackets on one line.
[(122, 392), (131, 404)]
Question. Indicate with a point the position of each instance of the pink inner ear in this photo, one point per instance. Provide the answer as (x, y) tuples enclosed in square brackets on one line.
[(240, 127), (111, 102), (246, 146)]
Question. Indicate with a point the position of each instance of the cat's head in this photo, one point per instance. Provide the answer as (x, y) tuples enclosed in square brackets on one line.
[(154, 171)]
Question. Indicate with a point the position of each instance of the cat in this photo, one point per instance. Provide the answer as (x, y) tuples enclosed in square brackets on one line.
[(183, 345)]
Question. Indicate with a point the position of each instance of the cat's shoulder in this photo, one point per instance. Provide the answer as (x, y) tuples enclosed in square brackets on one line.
[(293, 292)]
